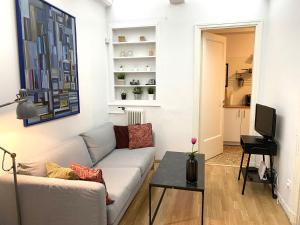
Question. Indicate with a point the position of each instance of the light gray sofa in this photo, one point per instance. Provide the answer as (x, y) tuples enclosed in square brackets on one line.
[(50, 201)]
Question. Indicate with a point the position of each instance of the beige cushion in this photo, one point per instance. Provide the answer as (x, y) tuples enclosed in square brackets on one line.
[(70, 151), (100, 141), (138, 158)]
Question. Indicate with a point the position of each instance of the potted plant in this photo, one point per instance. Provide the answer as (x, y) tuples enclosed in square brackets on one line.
[(137, 91), (123, 94), (121, 78), (151, 92)]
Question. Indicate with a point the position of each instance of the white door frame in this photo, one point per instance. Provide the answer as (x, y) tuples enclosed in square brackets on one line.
[(198, 68), (297, 211), (295, 216)]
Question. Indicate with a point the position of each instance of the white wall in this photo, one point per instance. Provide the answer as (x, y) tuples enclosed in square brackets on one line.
[(240, 47), (280, 87), (91, 30), (173, 120), (239, 44), (280, 76)]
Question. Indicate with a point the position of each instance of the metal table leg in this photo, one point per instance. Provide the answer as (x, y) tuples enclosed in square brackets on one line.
[(246, 174), (151, 220), (272, 177), (150, 204), (202, 213), (241, 165)]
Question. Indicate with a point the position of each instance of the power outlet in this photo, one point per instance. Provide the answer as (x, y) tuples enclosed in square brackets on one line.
[(288, 184)]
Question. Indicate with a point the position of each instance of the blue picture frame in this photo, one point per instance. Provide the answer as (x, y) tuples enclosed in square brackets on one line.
[(48, 61)]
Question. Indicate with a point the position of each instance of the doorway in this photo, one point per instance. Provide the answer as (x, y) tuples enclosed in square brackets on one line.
[(226, 75)]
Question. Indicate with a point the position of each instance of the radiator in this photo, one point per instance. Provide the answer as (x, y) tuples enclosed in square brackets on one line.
[(135, 116)]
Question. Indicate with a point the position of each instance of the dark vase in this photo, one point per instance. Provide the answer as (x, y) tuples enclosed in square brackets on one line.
[(191, 169)]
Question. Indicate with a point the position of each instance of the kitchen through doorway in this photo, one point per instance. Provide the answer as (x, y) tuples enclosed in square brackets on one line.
[(225, 92), (237, 93)]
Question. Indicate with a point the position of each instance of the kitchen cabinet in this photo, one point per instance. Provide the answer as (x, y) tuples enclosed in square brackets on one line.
[(236, 123), (245, 121)]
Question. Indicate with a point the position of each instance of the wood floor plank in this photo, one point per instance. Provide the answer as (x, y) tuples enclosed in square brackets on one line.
[(224, 203)]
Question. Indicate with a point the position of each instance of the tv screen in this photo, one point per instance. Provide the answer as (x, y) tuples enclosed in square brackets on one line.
[(265, 121)]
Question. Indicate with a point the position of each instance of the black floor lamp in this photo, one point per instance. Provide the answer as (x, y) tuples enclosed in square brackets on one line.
[(25, 110)]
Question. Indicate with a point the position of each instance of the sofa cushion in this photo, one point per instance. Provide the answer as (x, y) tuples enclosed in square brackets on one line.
[(121, 183), (88, 174), (56, 171), (138, 158), (100, 141), (140, 136), (70, 151), (122, 136)]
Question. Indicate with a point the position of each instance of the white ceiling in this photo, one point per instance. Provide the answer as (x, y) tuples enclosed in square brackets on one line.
[(108, 2)]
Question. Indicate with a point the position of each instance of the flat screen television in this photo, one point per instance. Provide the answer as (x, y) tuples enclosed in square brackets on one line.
[(265, 121)]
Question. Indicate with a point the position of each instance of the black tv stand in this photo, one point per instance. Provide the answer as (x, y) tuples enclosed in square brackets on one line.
[(255, 145), (263, 139)]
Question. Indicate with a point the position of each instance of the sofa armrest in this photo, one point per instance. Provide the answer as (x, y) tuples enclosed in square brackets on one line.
[(50, 201)]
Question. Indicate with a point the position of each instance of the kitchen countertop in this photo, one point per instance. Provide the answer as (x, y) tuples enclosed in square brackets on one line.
[(237, 106)]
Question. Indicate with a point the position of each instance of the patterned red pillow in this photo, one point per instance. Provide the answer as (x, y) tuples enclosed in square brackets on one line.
[(88, 174), (140, 136)]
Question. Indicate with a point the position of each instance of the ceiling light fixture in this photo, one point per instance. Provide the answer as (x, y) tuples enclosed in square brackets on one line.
[(176, 2)]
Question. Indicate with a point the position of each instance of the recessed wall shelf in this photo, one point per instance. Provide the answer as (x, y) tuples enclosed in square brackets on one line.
[(132, 86), (134, 43), (136, 57), (133, 56), (134, 72), (135, 103)]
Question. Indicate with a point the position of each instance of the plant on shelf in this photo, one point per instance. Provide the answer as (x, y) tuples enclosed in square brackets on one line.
[(121, 78), (123, 94), (151, 92), (137, 91)]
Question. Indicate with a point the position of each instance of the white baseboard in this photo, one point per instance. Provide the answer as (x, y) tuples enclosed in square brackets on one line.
[(289, 212), (231, 143)]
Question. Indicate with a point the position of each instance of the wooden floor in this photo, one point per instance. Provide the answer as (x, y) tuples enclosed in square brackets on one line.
[(224, 204)]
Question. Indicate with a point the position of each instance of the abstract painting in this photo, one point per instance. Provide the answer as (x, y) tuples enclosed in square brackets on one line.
[(48, 59)]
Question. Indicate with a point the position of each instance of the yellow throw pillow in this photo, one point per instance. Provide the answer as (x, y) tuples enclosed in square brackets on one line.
[(56, 171)]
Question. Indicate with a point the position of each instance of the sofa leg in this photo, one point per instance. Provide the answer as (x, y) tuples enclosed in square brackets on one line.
[(152, 168)]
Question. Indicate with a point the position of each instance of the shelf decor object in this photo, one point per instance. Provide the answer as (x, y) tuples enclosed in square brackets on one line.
[(136, 56), (142, 38), (151, 52), (122, 39), (121, 79), (137, 91), (48, 59), (151, 93), (123, 94), (25, 110)]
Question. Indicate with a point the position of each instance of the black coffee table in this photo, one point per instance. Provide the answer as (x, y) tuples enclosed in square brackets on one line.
[(171, 173)]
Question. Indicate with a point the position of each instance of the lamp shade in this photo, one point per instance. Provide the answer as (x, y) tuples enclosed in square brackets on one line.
[(26, 110)]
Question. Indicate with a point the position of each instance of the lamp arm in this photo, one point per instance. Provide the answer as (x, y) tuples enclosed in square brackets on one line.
[(12, 155), (7, 152), (9, 103)]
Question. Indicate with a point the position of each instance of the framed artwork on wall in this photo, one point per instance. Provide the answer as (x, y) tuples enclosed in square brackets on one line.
[(227, 75), (48, 59)]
